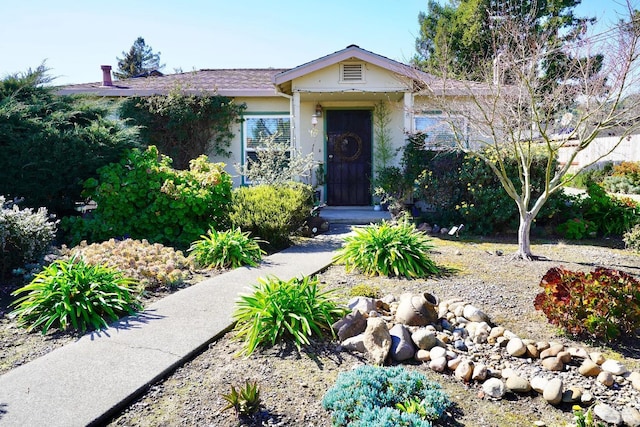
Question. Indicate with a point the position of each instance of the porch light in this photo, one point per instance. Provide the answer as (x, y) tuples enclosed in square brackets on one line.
[(318, 110), (314, 120)]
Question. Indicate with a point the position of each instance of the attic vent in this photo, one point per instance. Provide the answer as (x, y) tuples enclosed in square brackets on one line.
[(350, 73)]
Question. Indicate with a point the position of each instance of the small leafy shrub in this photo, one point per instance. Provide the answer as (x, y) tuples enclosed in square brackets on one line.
[(226, 249), (630, 170), (295, 309), (272, 212), (151, 264), (72, 293), (612, 216), (601, 304), (388, 249), (632, 238), (143, 197), (384, 396), (591, 176), (25, 236), (577, 229), (621, 184), (365, 290), (245, 400)]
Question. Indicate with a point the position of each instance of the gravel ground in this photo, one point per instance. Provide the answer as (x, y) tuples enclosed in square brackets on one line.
[(293, 383)]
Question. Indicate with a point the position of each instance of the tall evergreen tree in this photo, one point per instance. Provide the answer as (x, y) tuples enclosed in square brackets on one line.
[(140, 60)]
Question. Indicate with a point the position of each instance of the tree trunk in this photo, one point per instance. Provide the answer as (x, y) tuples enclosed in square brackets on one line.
[(524, 239)]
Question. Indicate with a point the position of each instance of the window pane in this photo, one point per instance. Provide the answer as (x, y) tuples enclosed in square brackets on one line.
[(438, 130), (261, 128)]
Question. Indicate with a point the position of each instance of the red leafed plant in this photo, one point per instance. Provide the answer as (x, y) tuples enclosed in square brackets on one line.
[(601, 304)]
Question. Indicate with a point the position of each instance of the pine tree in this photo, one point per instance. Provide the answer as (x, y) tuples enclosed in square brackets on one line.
[(139, 61)]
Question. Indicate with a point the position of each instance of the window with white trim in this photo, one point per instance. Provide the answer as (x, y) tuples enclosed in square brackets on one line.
[(440, 130), (257, 128)]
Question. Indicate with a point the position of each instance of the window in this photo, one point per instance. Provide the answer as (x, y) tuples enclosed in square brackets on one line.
[(256, 129), (439, 129), (351, 73)]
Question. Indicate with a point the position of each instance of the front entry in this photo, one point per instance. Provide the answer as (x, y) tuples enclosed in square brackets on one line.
[(348, 157)]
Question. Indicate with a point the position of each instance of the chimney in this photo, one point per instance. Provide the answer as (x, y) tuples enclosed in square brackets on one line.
[(106, 75)]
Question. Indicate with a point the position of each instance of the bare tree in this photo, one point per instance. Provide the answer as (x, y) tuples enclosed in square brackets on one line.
[(520, 112)]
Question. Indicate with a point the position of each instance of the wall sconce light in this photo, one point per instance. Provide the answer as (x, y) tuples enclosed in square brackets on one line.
[(314, 120), (318, 110)]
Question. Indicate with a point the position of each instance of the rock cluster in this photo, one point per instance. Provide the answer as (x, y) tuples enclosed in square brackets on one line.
[(463, 342)]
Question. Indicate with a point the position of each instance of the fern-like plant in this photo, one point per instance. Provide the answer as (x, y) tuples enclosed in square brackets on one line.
[(226, 249), (295, 309), (72, 293), (388, 249)]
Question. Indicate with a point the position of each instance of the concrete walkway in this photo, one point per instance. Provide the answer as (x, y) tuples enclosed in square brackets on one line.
[(88, 381)]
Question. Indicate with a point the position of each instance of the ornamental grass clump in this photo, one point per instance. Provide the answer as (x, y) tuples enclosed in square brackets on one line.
[(294, 310), (226, 249), (73, 294), (388, 250), (385, 396)]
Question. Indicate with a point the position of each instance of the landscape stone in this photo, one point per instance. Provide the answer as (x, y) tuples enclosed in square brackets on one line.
[(424, 338), (630, 416), (532, 351), (589, 368), (564, 356), (552, 364), (572, 395), (517, 384), (552, 351), (607, 413), (480, 372), (464, 370), (439, 364), (401, 345), (597, 357), (437, 352), (423, 355), (362, 304), (613, 366), (515, 347), (553, 391), (606, 378), (377, 340), (354, 344), (494, 388), (474, 314), (452, 364), (351, 325), (539, 383)]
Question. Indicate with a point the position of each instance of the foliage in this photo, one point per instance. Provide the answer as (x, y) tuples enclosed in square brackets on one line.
[(383, 150), (143, 197), (612, 216), (632, 238), (631, 170), (226, 249), (585, 419), (577, 229), (588, 176), (391, 188), (621, 184), (271, 212), (601, 304), (380, 396), (51, 144), (388, 249), (72, 293), (245, 400), (277, 163), (152, 265), (294, 310), (25, 236), (139, 61), (183, 126), (365, 290)]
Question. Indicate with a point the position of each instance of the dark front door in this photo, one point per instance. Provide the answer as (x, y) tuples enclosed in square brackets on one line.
[(348, 157)]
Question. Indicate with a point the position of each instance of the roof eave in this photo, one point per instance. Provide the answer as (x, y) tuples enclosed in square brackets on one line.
[(120, 92)]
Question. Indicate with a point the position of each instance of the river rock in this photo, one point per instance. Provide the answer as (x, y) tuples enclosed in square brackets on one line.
[(354, 344), (401, 345), (437, 352), (439, 364), (351, 325), (423, 355), (553, 391), (377, 340), (608, 414), (597, 357), (552, 364), (464, 370), (605, 378), (613, 366), (630, 416), (517, 384), (474, 314), (589, 368), (564, 356), (494, 388), (539, 383), (480, 372), (362, 304), (515, 347), (551, 351), (572, 395), (424, 338)]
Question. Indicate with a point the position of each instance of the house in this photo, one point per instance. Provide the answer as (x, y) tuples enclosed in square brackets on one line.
[(322, 107)]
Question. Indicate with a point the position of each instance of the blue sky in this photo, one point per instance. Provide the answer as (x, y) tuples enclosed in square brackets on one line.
[(76, 37)]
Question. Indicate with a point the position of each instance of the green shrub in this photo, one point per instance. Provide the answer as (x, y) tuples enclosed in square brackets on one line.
[(72, 293), (151, 264), (226, 249), (388, 249), (612, 216), (577, 229), (365, 290), (380, 396), (295, 309), (272, 212), (245, 400), (632, 238), (592, 176), (25, 236), (143, 197), (621, 184), (601, 304)]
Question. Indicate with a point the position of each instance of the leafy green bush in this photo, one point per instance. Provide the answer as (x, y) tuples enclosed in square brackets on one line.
[(151, 264), (226, 249), (25, 236), (51, 144), (388, 249), (379, 396), (577, 229), (621, 184), (632, 238), (272, 212), (72, 293), (601, 304), (143, 197), (612, 216), (295, 309), (591, 176)]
